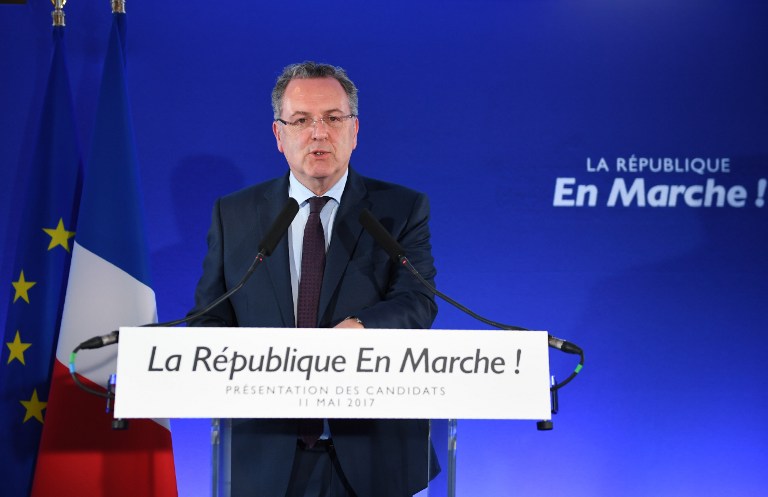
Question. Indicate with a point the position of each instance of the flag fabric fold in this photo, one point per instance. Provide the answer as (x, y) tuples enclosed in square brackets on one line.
[(109, 286), (39, 279)]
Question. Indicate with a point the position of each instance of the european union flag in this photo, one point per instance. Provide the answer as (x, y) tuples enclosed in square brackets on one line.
[(39, 279)]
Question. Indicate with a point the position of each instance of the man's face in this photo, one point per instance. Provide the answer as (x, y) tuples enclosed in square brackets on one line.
[(318, 155)]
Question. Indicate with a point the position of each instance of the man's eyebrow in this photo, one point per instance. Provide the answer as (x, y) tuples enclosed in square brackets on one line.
[(302, 113)]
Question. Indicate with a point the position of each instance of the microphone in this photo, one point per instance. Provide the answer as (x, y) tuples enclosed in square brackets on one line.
[(382, 236), (396, 252), (564, 345), (279, 227), (266, 247), (99, 342)]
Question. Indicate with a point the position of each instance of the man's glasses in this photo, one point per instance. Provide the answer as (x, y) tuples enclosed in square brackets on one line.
[(331, 120)]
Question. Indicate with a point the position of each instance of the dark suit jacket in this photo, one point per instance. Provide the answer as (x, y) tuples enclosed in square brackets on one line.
[(380, 458)]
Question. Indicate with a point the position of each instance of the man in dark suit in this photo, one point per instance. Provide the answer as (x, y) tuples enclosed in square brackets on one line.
[(316, 126)]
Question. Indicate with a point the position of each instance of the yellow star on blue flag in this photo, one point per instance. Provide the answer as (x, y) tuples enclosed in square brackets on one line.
[(59, 236), (34, 407), (17, 348), (22, 287)]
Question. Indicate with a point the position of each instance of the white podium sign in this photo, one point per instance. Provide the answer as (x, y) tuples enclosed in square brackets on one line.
[(330, 373)]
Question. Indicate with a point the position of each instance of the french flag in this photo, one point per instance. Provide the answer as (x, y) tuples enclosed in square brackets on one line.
[(109, 286)]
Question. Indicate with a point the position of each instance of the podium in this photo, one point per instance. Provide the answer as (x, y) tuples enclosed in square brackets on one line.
[(438, 376)]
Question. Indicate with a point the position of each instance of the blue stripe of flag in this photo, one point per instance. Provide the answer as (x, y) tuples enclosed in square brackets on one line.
[(111, 222)]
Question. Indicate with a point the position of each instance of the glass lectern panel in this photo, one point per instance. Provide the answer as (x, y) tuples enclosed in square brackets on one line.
[(439, 444)]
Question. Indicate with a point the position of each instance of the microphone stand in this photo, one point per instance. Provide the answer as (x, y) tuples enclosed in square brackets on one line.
[(543, 425), (564, 345), (397, 254)]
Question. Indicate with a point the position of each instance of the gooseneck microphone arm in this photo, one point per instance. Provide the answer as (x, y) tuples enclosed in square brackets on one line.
[(279, 227), (397, 254)]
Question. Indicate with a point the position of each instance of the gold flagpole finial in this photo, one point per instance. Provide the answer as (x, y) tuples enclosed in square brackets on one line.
[(58, 12), (118, 6)]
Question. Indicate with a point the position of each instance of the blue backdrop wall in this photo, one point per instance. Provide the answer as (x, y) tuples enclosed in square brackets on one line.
[(596, 169)]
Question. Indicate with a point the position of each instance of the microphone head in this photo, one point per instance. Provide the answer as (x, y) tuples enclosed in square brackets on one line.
[(382, 236), (279, 227)]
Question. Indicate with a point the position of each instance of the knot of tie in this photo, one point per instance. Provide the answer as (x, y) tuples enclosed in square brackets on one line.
[(316, 204)]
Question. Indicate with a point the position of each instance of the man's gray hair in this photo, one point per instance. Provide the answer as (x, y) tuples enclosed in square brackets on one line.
[(307, 70)]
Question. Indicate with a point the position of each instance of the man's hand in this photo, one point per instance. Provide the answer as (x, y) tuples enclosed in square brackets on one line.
[(350, 322)]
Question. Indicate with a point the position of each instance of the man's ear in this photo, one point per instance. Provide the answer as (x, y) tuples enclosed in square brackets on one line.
[(276, 132)]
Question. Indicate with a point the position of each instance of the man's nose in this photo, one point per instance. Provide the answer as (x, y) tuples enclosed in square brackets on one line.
[(319, 129)]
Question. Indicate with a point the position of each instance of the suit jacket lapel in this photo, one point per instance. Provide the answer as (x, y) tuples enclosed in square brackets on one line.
[(346, 231), (277, 265)]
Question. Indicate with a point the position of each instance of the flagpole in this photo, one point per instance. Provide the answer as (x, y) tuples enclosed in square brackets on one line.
[(58, 12)]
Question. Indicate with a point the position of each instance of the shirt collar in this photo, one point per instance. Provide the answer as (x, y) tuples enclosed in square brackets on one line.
[(301, 193)]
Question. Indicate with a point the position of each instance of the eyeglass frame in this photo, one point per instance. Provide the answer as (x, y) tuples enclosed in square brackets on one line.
[(292, 125)]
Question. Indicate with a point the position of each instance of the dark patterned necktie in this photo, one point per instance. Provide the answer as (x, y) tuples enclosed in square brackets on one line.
[(312, 268)]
